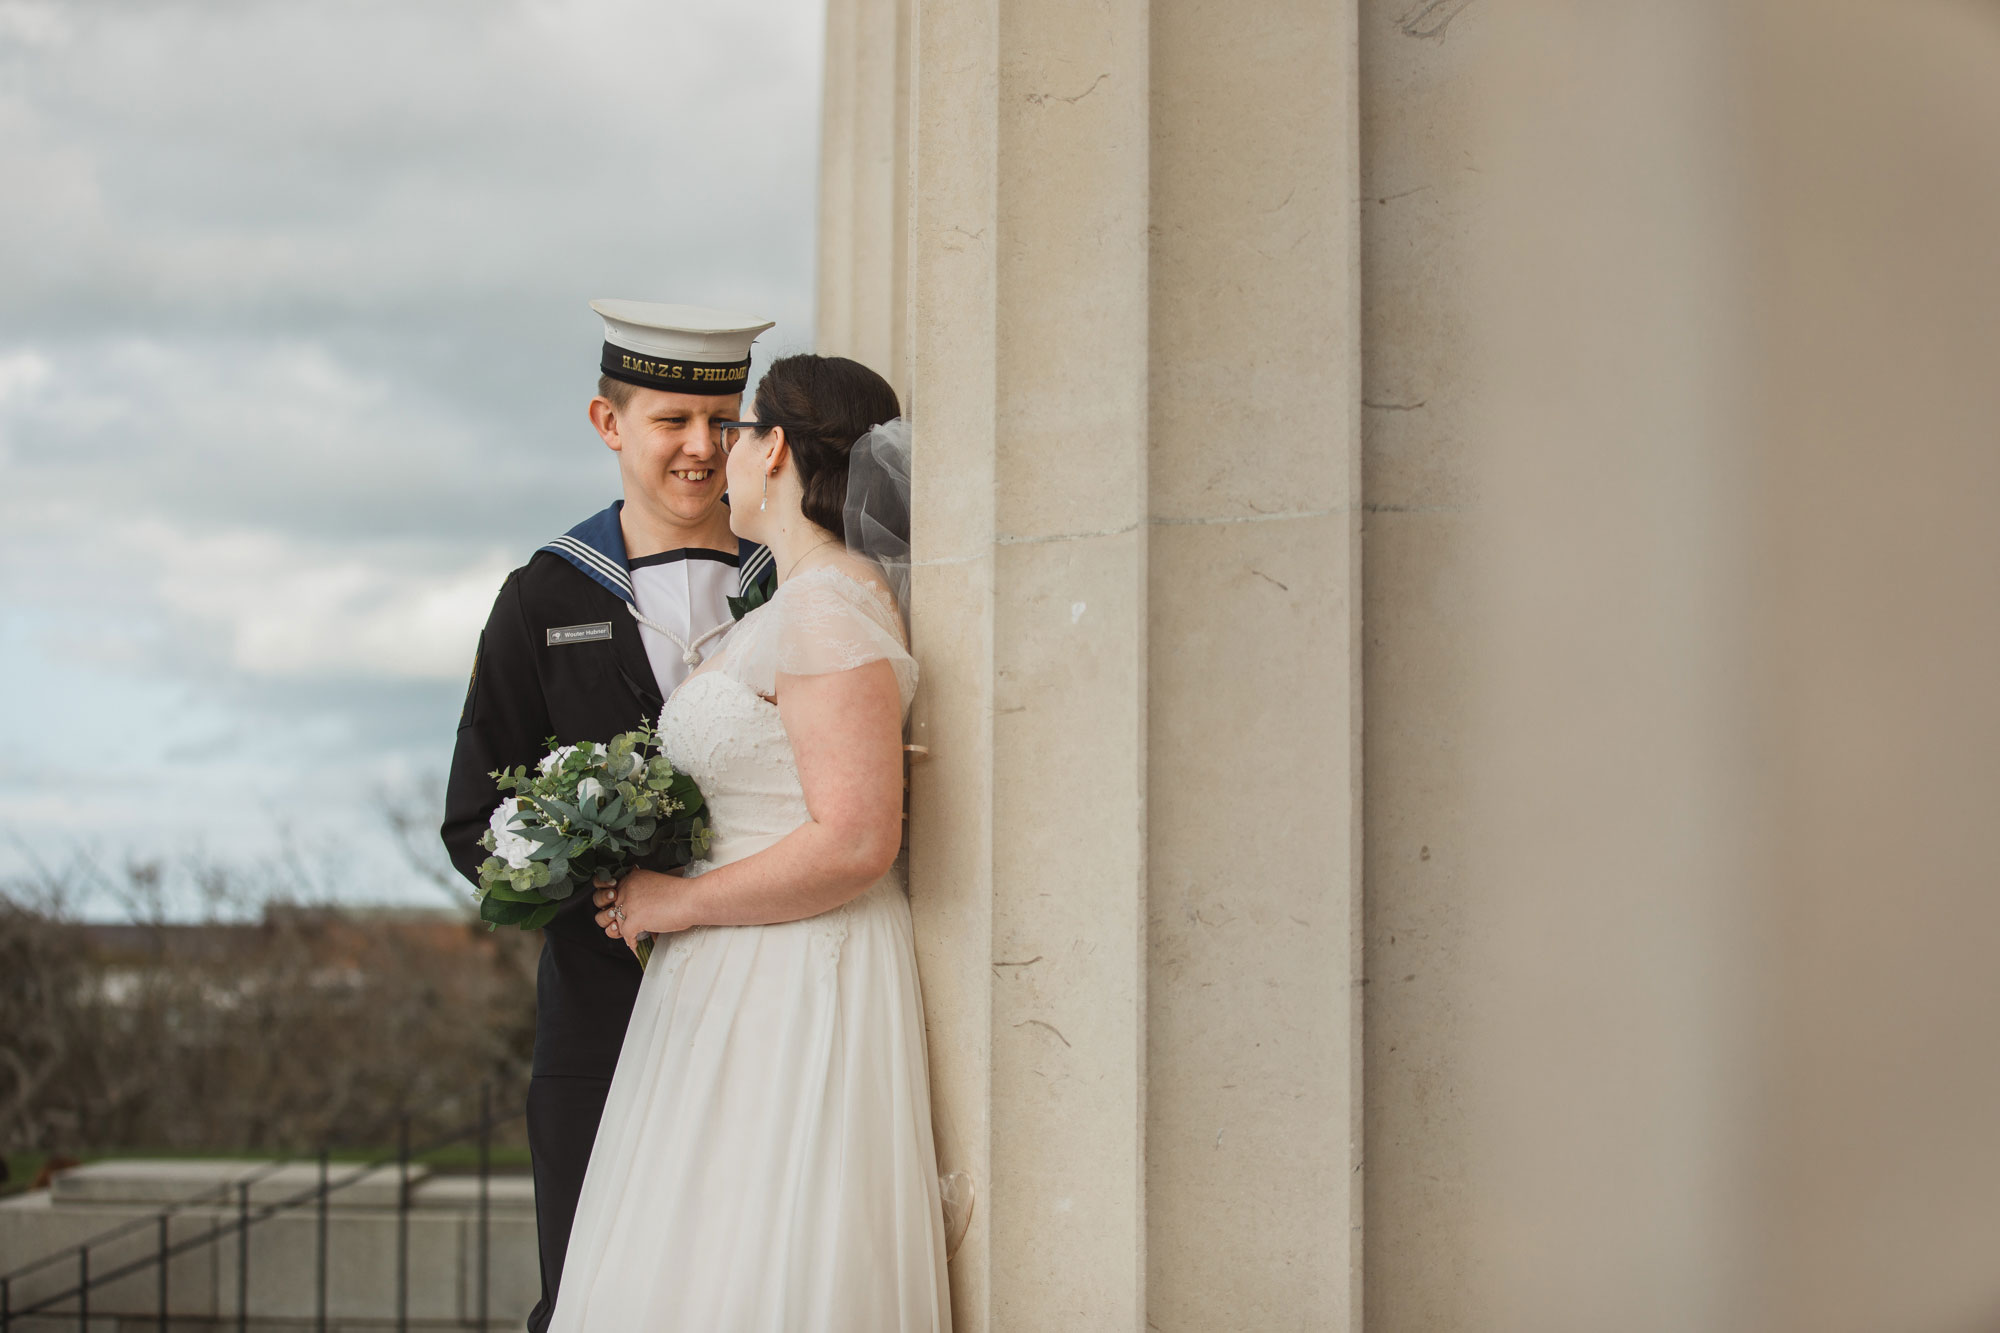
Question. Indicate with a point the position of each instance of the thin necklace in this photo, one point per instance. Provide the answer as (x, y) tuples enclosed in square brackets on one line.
[(802, 558)]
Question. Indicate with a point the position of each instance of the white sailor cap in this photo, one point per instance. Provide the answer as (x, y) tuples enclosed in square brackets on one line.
[(679, 348)]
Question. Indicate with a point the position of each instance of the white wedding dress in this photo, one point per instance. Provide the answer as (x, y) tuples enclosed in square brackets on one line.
[(765, 1162)]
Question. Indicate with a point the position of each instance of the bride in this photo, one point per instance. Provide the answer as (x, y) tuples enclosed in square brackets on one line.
[(765, 1158)]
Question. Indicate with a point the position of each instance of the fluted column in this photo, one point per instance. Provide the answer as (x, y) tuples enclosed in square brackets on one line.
[(953, 339), (1134, 379), (864, 181), (1254, 728)]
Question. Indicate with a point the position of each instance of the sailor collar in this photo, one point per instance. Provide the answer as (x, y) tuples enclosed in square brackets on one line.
[(596, 547)]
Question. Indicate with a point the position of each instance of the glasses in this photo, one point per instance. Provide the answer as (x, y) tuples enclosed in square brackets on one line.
[(732, 431)]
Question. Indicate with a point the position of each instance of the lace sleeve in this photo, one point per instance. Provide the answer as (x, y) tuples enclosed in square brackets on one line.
[(823, 621)]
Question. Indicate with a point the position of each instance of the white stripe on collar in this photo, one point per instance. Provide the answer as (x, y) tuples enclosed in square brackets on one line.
[(754, 568), (597, 560)]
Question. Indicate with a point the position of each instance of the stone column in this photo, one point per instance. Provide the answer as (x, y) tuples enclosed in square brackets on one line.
[(864, 145), (953, 339), (1681, 736), (1135, 373), (1253, 810), (1068, 759), (833, 304), (1423, 167), (1738, 772)]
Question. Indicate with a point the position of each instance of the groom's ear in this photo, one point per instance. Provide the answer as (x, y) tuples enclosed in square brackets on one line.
[(604, 416)]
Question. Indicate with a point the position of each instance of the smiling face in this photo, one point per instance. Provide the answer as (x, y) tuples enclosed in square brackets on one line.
[(669, 450)]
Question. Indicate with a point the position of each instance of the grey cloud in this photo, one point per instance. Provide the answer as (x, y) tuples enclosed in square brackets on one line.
[(316, 276), (424, 194)]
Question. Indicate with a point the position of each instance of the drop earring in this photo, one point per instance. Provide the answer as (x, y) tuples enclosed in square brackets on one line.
[(765, 503)]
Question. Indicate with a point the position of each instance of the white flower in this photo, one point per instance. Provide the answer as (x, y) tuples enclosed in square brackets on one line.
[(508, 844), (591, 750), (588, 788)]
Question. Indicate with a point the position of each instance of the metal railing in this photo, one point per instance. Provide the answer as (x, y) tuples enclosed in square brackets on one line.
[(165, 1248)]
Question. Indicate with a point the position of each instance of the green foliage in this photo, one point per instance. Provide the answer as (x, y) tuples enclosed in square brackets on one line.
[(740, 607), (596, 810)]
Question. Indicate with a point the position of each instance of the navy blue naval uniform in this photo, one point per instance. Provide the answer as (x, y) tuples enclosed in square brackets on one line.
[(562, 656)]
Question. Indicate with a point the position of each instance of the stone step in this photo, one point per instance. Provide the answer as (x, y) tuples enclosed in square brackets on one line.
[(214, 1181), (362, 1239), (460, 1194)]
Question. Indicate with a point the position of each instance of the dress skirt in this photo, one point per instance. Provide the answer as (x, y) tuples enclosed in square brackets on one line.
[(765, 1161)]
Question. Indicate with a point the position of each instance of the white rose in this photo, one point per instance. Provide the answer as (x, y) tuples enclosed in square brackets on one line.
[(508, 844), (588, 788), (552, 760)]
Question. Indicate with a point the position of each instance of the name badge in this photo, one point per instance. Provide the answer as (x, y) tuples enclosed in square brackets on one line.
[(580, 633)]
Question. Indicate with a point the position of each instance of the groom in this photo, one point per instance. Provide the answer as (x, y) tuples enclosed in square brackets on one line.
[(585, 641)]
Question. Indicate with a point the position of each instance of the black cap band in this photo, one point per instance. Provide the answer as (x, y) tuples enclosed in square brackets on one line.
[(652, 372)]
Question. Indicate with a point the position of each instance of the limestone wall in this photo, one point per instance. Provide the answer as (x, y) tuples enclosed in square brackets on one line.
[(1134, 375), (1598, 400), (1736, 794), (1253, 581), (1423, 163)]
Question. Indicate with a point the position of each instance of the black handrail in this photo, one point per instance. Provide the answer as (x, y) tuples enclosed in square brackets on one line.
[(163, 1274), (481, 1130), (242, 1260), (319, 1257), (402, 1226), (485, 1170)]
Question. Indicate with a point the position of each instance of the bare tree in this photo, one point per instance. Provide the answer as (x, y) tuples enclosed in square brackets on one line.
[(275, 1021)]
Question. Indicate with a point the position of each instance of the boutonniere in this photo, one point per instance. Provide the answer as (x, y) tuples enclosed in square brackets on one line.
[(740, 607)]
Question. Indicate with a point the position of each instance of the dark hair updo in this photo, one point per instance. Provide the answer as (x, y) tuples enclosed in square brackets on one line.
[(825, 404)]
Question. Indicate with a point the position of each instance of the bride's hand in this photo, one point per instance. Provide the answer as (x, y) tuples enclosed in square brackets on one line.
[(605, 895), (645, 900)]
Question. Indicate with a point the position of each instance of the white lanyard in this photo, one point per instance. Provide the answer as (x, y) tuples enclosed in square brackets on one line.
[(690, 652)]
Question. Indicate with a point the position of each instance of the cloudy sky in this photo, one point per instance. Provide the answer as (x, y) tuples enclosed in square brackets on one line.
[(294, 352)]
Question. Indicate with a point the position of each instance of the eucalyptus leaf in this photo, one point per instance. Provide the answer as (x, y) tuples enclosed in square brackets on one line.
[(503, 913), (507, 893)]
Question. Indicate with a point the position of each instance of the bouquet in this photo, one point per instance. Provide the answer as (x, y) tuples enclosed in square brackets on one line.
[(590, 810)]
